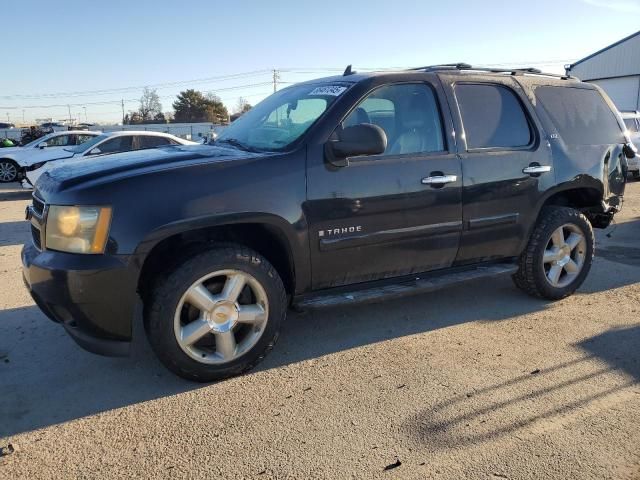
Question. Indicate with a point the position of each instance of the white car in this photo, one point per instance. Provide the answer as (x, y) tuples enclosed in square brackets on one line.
[(105, 144), (632, 121), (15, 161)]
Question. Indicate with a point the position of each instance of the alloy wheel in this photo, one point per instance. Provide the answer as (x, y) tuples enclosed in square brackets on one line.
[(564, 255), (221, 316), (8, 172)]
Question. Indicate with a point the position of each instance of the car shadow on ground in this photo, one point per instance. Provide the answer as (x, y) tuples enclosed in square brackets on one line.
[(46, 379), (14, 233), (610, 366)]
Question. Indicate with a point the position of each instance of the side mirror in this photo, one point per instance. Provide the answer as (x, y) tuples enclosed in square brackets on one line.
[(362, 139), (95, 151), (629, 150), (42, 145)]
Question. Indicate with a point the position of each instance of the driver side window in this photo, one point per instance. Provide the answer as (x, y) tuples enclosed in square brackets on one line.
[(59, 141), (408, 114), (114, 145)]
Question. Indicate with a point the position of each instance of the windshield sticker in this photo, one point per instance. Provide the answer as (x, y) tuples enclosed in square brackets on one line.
[(332, 90)]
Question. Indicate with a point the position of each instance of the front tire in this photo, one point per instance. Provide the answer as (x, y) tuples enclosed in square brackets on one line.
[(8, 171), (559, 254), (217, 314)]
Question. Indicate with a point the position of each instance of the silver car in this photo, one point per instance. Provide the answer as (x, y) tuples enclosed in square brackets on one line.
[(632, 121)]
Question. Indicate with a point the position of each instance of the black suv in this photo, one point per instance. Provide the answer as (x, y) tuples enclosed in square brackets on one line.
[(340, 190)]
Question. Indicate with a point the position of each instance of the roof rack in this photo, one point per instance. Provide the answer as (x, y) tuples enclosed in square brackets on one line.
[(510, 71)]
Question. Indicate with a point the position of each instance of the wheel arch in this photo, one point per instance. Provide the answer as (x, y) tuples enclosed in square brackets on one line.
[(586, 196), (174, 243)]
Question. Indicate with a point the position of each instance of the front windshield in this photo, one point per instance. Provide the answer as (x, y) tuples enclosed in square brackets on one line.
[(88, 145), (281, 119)]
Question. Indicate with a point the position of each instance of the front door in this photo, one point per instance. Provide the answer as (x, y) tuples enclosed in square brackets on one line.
[(391, 214)]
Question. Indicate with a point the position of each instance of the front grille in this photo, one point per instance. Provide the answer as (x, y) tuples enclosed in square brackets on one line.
[(35, 233), (38, 205)]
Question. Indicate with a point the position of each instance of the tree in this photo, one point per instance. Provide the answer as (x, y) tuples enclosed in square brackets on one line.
[(243, 106), (150, 105), (132, 118), (192, 106)]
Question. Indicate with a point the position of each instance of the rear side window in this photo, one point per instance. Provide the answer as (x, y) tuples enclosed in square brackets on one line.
[(492, 117), (580, 115), (148, 141)]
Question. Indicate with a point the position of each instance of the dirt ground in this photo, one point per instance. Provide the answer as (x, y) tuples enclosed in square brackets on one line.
[(478, 381)]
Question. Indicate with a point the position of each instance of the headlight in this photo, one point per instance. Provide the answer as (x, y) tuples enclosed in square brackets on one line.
[(77, 229)]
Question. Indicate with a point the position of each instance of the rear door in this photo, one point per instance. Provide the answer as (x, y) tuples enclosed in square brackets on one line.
[(506, 165), (377, 218)]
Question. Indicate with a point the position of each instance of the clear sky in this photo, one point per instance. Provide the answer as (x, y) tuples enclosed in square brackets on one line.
[(79, 52)]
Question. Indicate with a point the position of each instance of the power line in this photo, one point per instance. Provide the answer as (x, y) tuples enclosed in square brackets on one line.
[(113, 102), (125, 89)]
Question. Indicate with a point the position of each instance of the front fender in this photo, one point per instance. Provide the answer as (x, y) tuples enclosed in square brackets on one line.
[(293, 234)]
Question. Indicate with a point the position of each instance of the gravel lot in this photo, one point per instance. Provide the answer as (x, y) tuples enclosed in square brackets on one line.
[(478, 381)]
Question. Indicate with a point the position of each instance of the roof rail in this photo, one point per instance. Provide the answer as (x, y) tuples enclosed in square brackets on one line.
[(510, 71)]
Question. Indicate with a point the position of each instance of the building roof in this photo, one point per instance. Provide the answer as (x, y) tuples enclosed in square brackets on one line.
[(622, 64)]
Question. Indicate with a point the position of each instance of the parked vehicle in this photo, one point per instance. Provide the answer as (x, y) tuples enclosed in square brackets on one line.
[(336, 191), (49, 127), (6, 126), (16, 161), (107, 143), (632, 122)]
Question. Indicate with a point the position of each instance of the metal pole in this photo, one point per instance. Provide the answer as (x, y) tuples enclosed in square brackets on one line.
[(123, 111), (69, 107)]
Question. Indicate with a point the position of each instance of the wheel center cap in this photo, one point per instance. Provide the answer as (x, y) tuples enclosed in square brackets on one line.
[(223, 316)]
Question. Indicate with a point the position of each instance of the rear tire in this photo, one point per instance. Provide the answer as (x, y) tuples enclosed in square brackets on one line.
[(559, 254), (9, 171), (217, 314)]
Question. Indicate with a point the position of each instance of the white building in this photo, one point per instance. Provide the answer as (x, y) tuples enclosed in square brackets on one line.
[(616, 69)]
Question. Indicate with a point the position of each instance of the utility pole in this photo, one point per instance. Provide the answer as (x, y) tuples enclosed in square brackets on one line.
[(123, 111), (69, 107), (8, 118), (276, 77), (85, 114), (23, 116)]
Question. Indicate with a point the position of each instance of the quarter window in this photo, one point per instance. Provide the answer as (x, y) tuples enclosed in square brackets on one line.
[(492, 117), (408, 114), (580, 115)]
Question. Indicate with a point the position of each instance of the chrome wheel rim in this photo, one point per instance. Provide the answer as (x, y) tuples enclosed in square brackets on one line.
[(8, 171), (221, 316), (564, 255)]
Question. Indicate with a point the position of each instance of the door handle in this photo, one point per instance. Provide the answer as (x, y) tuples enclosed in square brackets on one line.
[(533, 169), (439, 179)]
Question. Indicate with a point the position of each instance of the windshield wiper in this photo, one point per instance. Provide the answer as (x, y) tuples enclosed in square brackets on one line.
[(238, 144)]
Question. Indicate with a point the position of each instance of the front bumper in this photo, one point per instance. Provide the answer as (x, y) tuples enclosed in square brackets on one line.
[(92, 296)]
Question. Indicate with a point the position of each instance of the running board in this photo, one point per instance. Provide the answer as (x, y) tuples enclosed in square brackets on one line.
[(416, 285)]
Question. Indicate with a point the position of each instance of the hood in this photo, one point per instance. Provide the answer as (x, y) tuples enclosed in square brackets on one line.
[(27, 157), (73, 171)]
